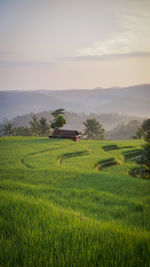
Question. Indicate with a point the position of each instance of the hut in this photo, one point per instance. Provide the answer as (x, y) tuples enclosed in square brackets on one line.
[(68, 134)]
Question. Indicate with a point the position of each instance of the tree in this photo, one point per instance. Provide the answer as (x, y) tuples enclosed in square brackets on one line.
[(57, 112), (58, 120), (24, 131), (147, 155), (35, 126), (146, 130), (139, 133), (144, 158), (93, 129), (146, 133), (43, 125), (8, 130), (39, 127)]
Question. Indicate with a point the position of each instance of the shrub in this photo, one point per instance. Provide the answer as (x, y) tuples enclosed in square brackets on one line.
[(110, 147), (114, 147), (139, 171), (140, 159), (106, 163), (132, 153)]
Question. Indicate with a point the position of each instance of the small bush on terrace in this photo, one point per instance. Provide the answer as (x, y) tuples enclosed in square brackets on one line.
[(110, 147), (132, 153), (139, 171), (106, 163)]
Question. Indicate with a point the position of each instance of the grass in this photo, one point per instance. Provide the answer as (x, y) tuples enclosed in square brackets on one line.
[(71, 214), (132, 153), (113, 147), (106, 163)]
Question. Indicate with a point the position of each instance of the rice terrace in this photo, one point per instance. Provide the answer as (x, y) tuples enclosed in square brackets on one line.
[(64, 203)]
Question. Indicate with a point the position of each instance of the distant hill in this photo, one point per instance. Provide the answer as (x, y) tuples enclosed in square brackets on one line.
[(75, 120), (124, 131), (132, 100)]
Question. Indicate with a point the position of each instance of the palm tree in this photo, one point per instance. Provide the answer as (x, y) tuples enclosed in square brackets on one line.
[(43, 125), (8, 129), (35, 125)]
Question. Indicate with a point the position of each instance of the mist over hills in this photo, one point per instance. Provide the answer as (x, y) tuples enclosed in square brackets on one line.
[(133, 101), (116, 126), (75, 120)]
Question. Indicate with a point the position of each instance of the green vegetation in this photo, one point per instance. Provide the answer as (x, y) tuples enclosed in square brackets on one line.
[(71, 214), (113, 147), (118, 127), (145, 130), (131, 154), (8, 129), (139, 171), (40, 127), (73, 154), (34, 125), (93, 129), (125, 131), (110, 147), (24, 131), (58, 121), (43, 126), (106, 163), (144, 158)]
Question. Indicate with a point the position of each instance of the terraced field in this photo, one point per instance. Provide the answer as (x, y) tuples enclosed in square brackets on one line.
[(72, 204)]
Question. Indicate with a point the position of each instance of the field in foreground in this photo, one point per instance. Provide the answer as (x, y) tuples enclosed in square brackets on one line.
[(72, 204)]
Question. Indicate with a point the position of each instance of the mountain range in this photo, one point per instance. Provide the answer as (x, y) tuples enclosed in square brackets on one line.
[(133, 100)]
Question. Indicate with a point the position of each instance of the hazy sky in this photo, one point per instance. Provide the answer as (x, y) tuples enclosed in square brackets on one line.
[(64, 44)]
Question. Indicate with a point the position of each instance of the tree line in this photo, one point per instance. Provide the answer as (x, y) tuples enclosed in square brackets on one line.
[(93, 129), (37, 127), (41, 127)]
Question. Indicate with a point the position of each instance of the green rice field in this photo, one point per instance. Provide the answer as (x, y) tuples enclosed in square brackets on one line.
[(67, 204)]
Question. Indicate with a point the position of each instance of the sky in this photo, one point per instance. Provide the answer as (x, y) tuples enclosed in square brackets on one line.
[(74, 44)]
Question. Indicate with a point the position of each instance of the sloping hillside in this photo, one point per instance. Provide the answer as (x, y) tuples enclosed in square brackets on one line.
[(64, 203), (129, 101)]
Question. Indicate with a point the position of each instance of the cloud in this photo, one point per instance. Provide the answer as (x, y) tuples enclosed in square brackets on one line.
[(109, 56), (132, 40)]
